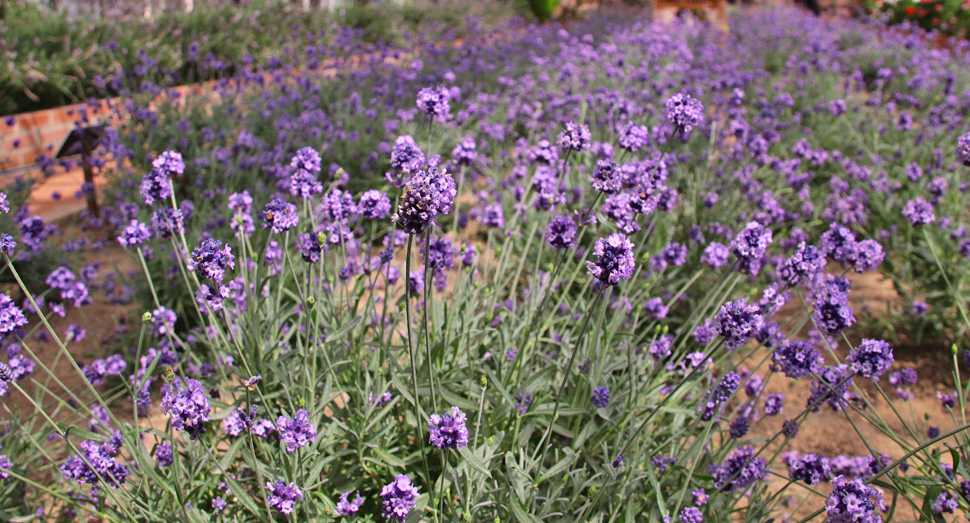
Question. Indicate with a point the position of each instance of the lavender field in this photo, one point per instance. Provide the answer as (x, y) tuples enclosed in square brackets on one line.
[(600, 270)]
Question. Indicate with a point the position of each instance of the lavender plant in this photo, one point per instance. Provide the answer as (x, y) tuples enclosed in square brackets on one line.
[(604, 297)]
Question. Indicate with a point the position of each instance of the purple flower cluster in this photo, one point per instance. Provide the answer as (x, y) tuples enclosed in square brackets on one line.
[(303, 182), (601, 397), (870, 358), (919, 212), (831, 386), (749, 247), (283, 497), (186, 402), (774, 404), (297, 432), (737, 322), (575, 137), (11, 317), (831, 298), (98, 370), (135, 234), (406, 156), (615, 259), (806, 262), (426, 195), (398, 498), (280, 216), (169, 163), (449, 431), (852, 502), (347, 508), (434, 102), (739, 471), (809, 468), (963, 149), (97, 463), (796, 359), (684, 112), (211, 259), (155, 186), (717, 396)]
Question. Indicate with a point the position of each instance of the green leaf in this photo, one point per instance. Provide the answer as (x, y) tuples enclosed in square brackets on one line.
[(474, 461), (73, 430), (387, 458), (560, 467)]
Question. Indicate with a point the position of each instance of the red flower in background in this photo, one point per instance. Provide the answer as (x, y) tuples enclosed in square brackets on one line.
[(910, 11)]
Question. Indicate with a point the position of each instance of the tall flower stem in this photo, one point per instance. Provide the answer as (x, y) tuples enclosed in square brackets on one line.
[(427, 326), (567, 372), (414, 367)]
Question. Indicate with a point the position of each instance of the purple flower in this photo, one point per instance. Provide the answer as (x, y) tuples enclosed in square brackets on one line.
[(163, 322), (283, 497), (947, 400), (309, 245), (11, 317), (211, 259), (98, 370), (617, 462), (135, 234), (399, 497), (715, 255), (831, 386), (739, 471), (155, 187), (615, 259), (699, 497), (831, 299), (945, 503), (297, 432), (426, 195), (852, 502), (374, 205), (347, 508), (4, 203), (187, 404), (306, 159), (655, 307), (575, 137), (809, 468), (737, 322), (963, 149), (434, 102), (406, 156), (492, 216), (7, 244), (606, 177), (219, 505), (633, 137), (806, 262), (464, 153), (838, 243), (705, 334), (684, 112), (691, 515), (74, 333), (717, 396), (169, 163), (870, 359), (774, 404), (240, 202), (919, 212), (797, 359), (280, 216), (601, 397), (449, 431), (99, 463), (167, 222), (868, 256), (543, 154), (523, 400), (749, 246), (163, 454)]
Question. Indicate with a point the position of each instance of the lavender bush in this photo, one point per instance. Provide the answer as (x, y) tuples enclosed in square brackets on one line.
[(586, 257)]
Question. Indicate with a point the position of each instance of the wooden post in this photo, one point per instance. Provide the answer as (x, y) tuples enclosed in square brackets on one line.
[(87, 147)]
